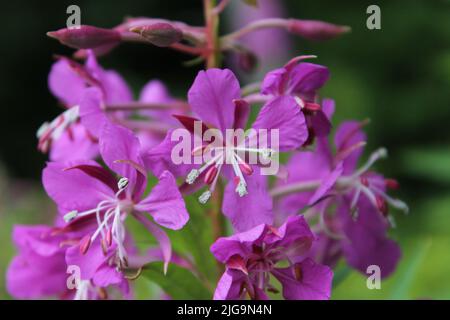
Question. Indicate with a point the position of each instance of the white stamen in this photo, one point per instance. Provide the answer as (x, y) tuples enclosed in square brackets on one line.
[(192, 176), (205, 196), (396, 203), (378, 154)]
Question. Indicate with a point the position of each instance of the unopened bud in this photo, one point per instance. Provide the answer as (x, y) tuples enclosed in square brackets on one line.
[(316, 30), (159, 34), (86, 37)]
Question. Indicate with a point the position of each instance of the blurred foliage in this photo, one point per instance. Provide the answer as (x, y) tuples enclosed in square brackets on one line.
[(398, 77)]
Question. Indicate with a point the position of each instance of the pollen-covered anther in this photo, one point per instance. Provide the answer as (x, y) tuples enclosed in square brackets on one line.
[(241, 188), (70, 216), (266, 153), (205, 196), (123, 183), (192, 176)]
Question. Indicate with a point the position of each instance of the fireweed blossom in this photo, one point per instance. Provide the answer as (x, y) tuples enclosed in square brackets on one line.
[(351, 203), (215, 98), (301, 81), (92, 96), (108, 202), (42, 262), (254, 256), (69, 83), (320, 208)]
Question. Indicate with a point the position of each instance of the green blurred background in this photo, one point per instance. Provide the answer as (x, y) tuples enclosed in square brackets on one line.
[(398, 76)]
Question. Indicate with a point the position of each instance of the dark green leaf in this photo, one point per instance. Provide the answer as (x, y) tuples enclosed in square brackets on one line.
[(179, 283)]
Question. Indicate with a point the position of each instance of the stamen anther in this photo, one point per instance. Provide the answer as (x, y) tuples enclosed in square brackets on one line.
[(192, 176), (123, 183), (70, 216), (85, 244), (205, 197)]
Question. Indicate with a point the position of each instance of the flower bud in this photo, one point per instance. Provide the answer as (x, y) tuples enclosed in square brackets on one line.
[(159, 34), (316, 30), (86, 37)]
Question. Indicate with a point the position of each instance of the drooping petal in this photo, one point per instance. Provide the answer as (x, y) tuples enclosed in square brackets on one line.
[(160, 236), (165, 203), (284, 115), (74, 189), (305, 281), (252, 209), (211, 97), (321, 124), (65, 83)]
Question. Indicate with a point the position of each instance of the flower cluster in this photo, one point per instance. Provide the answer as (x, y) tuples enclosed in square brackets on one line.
[(287, 230)]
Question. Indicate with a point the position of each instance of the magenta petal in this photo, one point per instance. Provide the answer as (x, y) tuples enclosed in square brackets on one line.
[(321, 124), (274, 82), (250, 210), (294, 236), (314, 283), (328, 107), (158, 159), (65, 84), (229, 285), (88, 262), (155, 92), (160, 236), (121, 151), (31, 276), (114, 86), (107, 275), (238, 244), (211, 97), (37, 239), (367, 242), (92, 114), (117, 90), (283, 114), (303, 167), (75, 145), (308, 77), (165, 203), (74, 189)]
